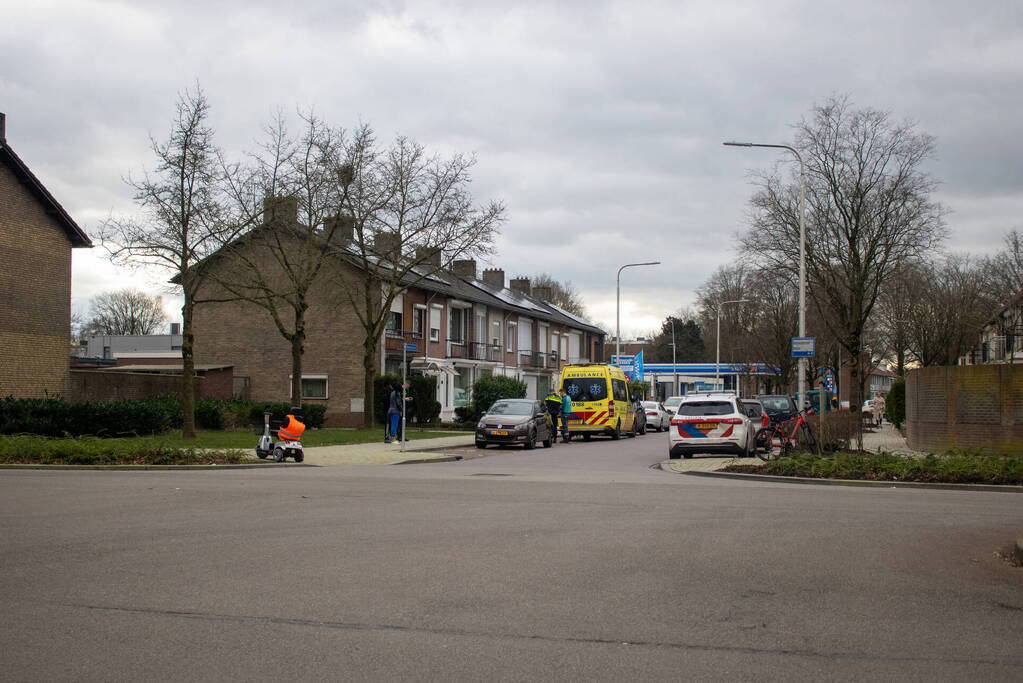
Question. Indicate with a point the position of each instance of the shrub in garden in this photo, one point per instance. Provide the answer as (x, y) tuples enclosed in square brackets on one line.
[(835, 430), (895, 403), (485, 391), (94, 451), (55, 417)]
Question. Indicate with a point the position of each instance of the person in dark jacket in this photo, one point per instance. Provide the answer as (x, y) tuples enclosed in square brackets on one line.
[(394, 403), (553, 405)]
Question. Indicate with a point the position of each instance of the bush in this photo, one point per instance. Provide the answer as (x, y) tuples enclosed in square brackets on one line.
[(895, 403), (485, 391), (836, 430), (54, 417), (210, 413), (638, 390), (424, 407)]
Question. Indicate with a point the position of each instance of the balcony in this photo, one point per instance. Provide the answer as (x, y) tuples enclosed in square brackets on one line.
[(459, 348), (538, 359), (395, 340)]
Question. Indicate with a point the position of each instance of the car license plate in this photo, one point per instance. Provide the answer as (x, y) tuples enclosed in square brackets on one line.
[(499, 432), (706, 425)]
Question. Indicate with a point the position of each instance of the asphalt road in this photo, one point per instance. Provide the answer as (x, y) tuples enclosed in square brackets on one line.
[(573, 563)]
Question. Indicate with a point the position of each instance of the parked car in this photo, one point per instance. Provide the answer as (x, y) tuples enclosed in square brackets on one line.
[(761, 421), (868, 407), (671, 403), (514, 421), (657, 417), (711, 423), (779, 407)]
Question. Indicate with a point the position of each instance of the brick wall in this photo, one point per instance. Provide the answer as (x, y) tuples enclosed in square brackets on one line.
[(99, 385), (35, 282), (244, 335), (964, 405)]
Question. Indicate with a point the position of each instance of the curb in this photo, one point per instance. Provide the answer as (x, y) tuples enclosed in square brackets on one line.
[(420, 461), (1000, 488), (135, 468)]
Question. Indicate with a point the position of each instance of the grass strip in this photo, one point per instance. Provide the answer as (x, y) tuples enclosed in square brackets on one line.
[(951, 468), (41, 450)]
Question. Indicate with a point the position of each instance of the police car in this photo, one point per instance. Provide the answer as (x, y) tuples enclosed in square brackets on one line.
[(712, 423)]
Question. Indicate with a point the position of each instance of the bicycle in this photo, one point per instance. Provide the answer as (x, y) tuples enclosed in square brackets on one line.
[(783, 436)]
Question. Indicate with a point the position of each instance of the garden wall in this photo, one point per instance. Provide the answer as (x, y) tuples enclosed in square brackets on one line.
[(964, 405)]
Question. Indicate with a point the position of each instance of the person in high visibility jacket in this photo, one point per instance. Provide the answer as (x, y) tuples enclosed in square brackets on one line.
[(293, 428)]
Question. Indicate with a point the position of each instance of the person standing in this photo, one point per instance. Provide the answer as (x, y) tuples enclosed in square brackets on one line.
[(553, 406), (878, 409), (393, 414), (566, 413)]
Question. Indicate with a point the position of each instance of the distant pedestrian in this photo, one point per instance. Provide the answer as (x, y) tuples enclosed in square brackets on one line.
[(552, 403), (566, 413), (878, 409)]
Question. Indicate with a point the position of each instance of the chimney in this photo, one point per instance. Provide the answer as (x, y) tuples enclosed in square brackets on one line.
[(3, 127), (520, 284), (542, 293), (283, 209), (175, 328), (339, 229), (465, 268), (388, 245), (494, 277), (428, 256)]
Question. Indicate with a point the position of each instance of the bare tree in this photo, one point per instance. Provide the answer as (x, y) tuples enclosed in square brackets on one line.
[(181, 219), (564, 295), (411, 214), (1003, 272), (869, 212), (290, 193), (125, 311)]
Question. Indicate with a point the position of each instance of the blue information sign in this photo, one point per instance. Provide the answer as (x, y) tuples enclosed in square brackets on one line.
[(411, 347), (804, 347)]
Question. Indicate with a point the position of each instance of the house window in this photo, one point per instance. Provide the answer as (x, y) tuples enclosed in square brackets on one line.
[(481, 328), (418, 322), (456, 324), (435, 324), (495, 333), (394, 327), (392, 367), (106, 352), (463, 383), (313, 386), (509, 340)]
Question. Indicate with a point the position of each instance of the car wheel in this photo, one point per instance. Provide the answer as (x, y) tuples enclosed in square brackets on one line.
[(687, 456), (530, 441), (299, 456), (617, 433), (642, 430), (547, 442), (481, 444), (586, 437), (672, 456), (279, 454), (261, 454)]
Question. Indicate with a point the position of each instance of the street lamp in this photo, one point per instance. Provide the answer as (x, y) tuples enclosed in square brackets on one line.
[(717, 355), (618, 306), (802, 253), (674, 370)]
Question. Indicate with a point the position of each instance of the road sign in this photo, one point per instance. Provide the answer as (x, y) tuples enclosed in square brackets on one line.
[(411, 348), (804, 347)]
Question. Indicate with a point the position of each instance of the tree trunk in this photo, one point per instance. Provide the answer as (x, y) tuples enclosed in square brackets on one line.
[(856, 377), (297, 351), (369, 366), (187, 369)]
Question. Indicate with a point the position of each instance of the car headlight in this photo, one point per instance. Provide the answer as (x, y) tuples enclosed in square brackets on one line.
[(480, 425)]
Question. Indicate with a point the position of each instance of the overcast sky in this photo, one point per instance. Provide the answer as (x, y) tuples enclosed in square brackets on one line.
[(599, 124)]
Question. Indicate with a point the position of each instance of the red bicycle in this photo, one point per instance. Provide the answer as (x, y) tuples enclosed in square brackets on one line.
[(783, 437)]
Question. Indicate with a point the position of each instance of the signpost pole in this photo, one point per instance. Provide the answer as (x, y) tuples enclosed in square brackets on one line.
[(404, 349)]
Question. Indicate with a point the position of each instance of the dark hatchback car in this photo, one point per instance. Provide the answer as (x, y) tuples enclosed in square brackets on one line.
[(779, 407), (514, 421)]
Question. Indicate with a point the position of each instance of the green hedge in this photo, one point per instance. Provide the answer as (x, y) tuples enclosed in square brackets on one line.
[(485, 391), (147, 417), (895, 403)]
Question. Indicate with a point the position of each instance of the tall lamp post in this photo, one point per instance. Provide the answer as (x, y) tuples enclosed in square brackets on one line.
[(800, 389), (717, 355), (674, 370), (618, 306)]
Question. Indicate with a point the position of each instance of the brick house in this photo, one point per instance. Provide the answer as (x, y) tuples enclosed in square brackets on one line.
[(463, 324), (1001, 338), (36, 239)]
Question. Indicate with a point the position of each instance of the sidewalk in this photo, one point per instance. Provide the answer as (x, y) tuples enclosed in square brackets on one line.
[(887, 439), (380, 453)]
